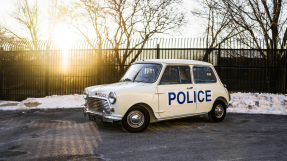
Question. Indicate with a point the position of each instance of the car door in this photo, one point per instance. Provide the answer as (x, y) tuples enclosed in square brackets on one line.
[(207, 87), (176, 92)]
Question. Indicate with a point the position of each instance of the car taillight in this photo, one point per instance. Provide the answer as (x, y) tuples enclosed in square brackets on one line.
[(229, 95)]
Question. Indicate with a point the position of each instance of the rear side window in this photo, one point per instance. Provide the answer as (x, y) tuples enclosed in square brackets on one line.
[(176, 75), (203, 75)]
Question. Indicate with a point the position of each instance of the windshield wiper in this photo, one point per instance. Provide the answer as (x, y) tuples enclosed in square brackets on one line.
[(126, 79), (136, 75), (140, 81)]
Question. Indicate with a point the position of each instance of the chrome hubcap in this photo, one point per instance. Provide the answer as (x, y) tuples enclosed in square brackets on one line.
[(135, 119), (219, 111)]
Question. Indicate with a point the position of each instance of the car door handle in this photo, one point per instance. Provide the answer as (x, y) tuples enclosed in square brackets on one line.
[(189, 87)]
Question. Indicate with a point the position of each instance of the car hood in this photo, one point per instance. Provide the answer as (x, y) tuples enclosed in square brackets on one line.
[(116, 87)]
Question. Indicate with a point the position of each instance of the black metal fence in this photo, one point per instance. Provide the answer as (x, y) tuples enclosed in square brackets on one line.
[(38, 73)]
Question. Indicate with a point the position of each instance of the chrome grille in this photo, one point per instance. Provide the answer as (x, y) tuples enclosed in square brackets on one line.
[(98, 104)]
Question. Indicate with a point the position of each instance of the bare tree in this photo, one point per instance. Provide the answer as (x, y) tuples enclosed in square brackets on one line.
[(267, 19), (29, 27), (84, 16), (119, 21), (219, 25), (261, 18), (27, 17), (54, 18), (5, 36), (141, 18)]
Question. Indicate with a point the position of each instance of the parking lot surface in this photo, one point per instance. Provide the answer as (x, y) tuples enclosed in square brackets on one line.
[(67, 135)]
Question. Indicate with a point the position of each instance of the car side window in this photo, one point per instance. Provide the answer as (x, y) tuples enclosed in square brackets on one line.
[(184, 74), (170, 75), (176, 75), (203, 75)]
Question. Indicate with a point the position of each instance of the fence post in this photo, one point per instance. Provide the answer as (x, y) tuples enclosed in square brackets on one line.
[(218, 60), (1, 73), (47, 72), (157, 51)]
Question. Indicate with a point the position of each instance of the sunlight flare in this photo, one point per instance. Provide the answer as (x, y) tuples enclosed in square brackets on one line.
[(64, 40)]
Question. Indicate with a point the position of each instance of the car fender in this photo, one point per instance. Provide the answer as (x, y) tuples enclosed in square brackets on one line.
[(153, 118), (220, 98)]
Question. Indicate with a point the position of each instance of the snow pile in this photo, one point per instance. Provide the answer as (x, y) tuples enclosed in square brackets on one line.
[(49, 102), (258, 103), (240, 103)]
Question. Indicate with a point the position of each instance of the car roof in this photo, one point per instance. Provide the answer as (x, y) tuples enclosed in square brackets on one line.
[(173, 61)]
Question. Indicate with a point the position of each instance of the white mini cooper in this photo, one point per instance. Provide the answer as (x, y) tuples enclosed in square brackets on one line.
[(156, 90)]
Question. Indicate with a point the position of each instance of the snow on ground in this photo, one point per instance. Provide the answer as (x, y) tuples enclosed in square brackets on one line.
[(256, 103), (49, 102), (240, 103)]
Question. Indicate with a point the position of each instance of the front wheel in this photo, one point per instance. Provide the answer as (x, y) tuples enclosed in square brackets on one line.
[(136, 119), (217, 112)]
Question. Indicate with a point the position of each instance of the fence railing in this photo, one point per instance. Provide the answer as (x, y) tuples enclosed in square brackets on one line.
[(38, 73), (170, 43)]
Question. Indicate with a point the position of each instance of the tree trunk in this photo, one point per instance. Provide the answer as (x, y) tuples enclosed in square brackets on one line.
[(207, 52)]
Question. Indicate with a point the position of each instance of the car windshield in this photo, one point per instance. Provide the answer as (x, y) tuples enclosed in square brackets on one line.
[(142, 73)]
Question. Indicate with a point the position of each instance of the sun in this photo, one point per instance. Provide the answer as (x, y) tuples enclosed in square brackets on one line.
[(63, 37)]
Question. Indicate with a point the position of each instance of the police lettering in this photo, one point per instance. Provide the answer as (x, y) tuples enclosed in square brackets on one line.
[(186, 97)]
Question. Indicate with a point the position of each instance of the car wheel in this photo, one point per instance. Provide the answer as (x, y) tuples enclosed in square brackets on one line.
[(218, 112), (136, 119)]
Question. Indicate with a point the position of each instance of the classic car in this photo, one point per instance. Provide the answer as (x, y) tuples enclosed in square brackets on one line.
[(156, 90)]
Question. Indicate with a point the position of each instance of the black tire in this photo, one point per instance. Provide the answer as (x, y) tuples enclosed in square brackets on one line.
[(139, 122), (218, 112)]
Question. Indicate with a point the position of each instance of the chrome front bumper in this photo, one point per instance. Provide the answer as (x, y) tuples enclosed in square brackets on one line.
[(100, 116)]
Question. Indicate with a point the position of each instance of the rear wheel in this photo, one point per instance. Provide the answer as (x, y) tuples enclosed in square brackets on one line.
[(218, 112), (136, 119)]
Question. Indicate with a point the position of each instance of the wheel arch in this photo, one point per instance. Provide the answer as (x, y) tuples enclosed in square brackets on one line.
[(148, 108), (220, 98)]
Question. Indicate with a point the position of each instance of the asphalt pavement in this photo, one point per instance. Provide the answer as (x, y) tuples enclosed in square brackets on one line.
[(67, 135)]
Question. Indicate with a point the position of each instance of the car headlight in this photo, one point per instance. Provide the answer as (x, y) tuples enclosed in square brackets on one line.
[(112, 97)]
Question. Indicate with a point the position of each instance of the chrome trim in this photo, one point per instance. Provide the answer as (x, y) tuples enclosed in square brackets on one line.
[(219, 112), (85, 94), (135, 119), (102, 114), (180, 116), (114, 97), (109, 104), (100, 97)]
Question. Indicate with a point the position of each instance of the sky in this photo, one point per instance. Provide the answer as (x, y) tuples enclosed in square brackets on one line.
[(191, 30)]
